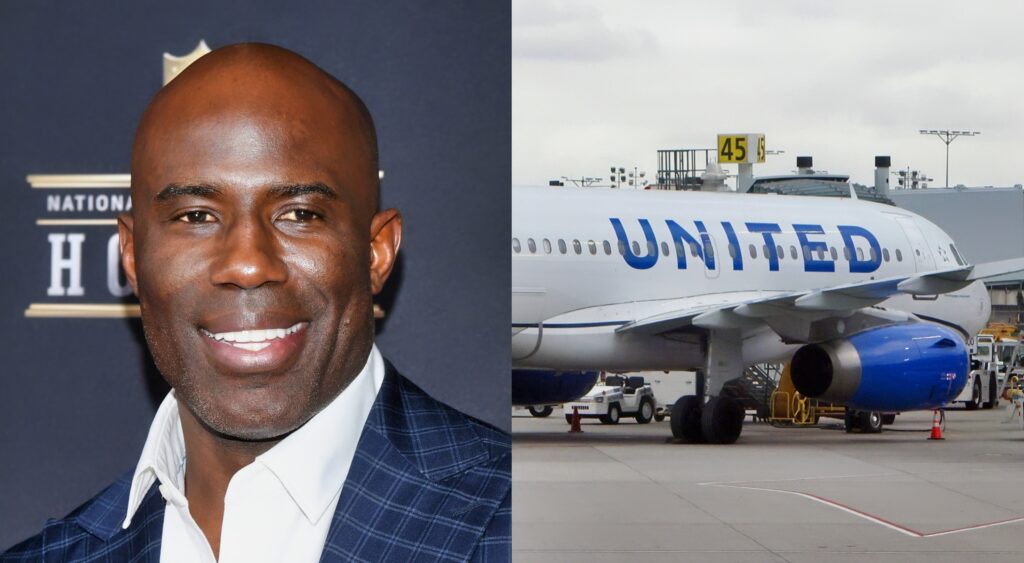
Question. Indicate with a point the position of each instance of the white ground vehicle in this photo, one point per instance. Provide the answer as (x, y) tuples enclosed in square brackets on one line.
[(986, 375), (618, 396), (669, 386)]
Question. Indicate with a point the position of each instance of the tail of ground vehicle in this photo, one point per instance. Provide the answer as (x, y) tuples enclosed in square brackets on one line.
[(616, 397), (993, 353), (669, 386)]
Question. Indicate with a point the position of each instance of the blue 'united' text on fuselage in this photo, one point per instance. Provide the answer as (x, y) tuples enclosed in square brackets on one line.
[(809, 236)]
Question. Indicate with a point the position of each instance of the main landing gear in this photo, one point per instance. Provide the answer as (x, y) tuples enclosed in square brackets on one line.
[(719, 419)]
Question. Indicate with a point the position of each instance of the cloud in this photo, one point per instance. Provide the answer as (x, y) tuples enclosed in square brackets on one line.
[(555, 31), (840, 81)]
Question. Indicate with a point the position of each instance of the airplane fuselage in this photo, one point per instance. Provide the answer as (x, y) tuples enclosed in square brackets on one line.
[(587, 261)]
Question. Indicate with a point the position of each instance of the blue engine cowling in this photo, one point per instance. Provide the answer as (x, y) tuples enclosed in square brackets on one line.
[(547, 387), (887, 369)]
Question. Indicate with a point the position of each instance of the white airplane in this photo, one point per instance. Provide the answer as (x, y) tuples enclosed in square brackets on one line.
[(872, 304)]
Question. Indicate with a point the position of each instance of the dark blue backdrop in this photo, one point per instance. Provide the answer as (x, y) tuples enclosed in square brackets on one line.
[(77, 395)]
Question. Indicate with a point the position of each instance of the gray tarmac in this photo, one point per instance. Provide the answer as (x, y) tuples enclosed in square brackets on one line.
[(625, 493)]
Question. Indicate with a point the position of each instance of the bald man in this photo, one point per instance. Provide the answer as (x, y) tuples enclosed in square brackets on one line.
[(255, 244)]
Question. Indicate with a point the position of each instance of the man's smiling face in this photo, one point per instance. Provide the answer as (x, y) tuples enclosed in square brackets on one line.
[(253, 242)]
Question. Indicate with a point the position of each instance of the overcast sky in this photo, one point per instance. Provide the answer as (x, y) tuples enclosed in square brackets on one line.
[(601, 82)]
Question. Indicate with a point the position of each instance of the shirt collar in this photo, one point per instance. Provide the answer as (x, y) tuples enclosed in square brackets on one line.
[(312, 463)]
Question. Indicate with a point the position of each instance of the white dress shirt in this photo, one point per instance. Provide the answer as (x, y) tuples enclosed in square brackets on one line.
[(279, 507)]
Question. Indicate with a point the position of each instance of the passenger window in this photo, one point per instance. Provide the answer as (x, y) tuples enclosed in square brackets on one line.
[(792, 252), (710, 252), (885, 254), (821, 253), (577, 246), (732, 251), (806, 251), (547, 246), (917, 251), (764, 250), (753, 251), (516, 247), (622, 248), (860, 254), (846, 253), (652, 249), (832, 251), (607, 248), (780, 252), (561, 246), (531, 245), (592, 246), (636, 248), (873, 253), (899, 255)]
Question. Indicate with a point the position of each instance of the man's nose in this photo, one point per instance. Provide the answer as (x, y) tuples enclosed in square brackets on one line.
[(249, 257)]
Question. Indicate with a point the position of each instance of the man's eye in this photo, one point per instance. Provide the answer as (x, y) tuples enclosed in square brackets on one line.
[(196, 217), (300, 216)]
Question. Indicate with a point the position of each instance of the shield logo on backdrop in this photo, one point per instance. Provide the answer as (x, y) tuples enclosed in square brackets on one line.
[(173, 65)]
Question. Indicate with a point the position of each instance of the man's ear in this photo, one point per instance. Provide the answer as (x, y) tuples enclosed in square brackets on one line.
[(126, 240), (385, 238)]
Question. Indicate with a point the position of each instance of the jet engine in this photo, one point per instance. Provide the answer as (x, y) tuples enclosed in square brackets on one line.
[(886, 369), (547, 387)]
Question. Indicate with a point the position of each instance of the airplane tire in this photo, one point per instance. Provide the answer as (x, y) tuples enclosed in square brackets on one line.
[(722, 420), (613, 414), (543, 412), (975, 401), (850, 420), (869, 422), (686, 419), (659, 418), (646, 411), (993, 400)]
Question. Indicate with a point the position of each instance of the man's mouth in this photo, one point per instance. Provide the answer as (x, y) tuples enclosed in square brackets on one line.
[(258, 350), (253, 340)]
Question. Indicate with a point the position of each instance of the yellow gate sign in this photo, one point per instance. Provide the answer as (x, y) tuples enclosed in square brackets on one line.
[(745, 148)]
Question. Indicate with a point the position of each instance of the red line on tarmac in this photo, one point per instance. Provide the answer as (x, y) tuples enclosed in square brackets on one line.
[(871, 517)]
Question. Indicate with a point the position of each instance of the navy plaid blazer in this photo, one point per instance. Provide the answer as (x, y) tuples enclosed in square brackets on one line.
[(428, 483)]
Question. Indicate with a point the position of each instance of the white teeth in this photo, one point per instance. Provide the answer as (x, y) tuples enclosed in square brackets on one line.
[(254, 340), (254, 346)]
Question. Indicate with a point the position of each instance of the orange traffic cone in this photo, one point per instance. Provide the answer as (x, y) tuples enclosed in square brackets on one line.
[(936, 426), (575, 427)]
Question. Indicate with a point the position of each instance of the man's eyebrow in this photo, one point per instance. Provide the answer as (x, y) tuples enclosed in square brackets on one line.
[(178, 190), (296, 190)]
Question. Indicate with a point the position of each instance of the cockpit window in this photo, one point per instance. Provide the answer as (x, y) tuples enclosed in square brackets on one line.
[(959, 259)]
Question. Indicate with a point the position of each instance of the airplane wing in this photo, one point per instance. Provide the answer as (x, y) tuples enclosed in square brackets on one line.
[(747, 311)]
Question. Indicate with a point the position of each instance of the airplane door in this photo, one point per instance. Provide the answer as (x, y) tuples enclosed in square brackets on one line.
[(527, 308), (923, 259)]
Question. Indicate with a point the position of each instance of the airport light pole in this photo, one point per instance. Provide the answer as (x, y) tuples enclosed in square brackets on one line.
[(620, 177), (636, 177), (947, 136)]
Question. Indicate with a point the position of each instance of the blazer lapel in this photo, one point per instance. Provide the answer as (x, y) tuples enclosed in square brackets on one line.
[(422, 485), (102, 518)]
